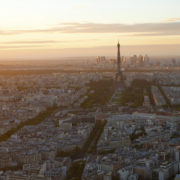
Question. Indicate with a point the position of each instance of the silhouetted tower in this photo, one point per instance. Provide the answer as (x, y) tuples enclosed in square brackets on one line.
[(119, 74), (118, 58)]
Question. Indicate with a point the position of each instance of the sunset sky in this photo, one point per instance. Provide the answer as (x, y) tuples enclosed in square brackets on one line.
[(58, 28)]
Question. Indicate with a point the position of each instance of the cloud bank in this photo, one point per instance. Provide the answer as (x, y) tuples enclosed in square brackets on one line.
[(146, 29)]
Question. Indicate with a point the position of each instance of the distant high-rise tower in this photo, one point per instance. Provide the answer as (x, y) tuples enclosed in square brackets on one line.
[(119, 74)]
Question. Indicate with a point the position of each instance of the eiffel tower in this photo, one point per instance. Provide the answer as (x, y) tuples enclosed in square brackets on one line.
[(119, 73)]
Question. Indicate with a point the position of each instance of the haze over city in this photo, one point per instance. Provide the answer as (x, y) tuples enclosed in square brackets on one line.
[(55, 28), (89, 90)]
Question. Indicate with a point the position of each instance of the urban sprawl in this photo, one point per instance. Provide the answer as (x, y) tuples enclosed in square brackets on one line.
[(85, 125)]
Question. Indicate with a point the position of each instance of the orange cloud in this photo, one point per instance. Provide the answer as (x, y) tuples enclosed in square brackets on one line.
[(173, 20)]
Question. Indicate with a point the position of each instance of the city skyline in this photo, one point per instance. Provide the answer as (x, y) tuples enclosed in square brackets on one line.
[(60, 29)]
